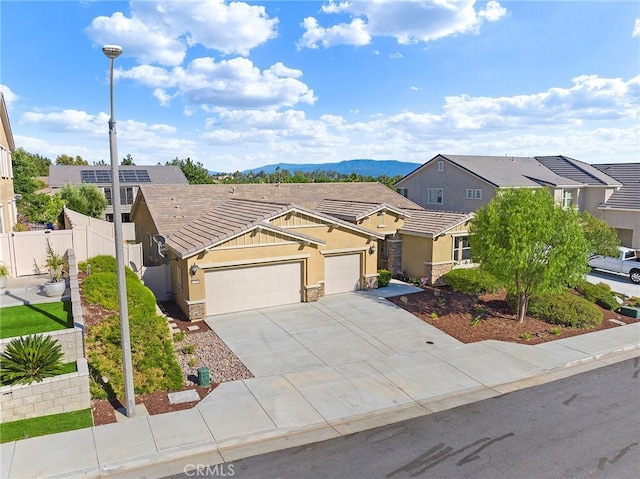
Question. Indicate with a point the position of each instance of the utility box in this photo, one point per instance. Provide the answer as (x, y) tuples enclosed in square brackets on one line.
[(203, 377), (630, 311)]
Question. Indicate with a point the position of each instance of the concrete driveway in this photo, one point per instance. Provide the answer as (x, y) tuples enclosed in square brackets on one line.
[(336, 330), (619, 283)]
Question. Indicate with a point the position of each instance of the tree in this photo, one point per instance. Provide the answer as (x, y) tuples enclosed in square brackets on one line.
[(601, 237), (127, 161), (41, 208), (68, 160), (196, 173), (529, 243), (100, 163), (86, 199), (26, 167)]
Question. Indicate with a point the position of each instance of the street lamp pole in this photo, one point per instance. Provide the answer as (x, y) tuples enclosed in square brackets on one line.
[(112, 52)]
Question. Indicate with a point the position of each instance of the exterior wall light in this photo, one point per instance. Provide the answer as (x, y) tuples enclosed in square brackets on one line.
[(194, 269), (372, 249)]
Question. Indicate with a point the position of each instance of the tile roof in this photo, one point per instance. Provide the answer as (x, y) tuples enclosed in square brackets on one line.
[(172, 208), (59, 175), (433, 223), (577, 170), (353, 210), (510, 171), (627, 197)]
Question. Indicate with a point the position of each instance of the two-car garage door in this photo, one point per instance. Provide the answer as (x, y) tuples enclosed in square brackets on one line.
[(240, 289)]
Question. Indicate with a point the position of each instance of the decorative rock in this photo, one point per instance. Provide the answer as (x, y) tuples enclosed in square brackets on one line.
[(180, 397), (620, 323), (193, 328)]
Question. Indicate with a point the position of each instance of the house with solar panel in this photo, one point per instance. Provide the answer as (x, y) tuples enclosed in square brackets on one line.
[(131, 177)]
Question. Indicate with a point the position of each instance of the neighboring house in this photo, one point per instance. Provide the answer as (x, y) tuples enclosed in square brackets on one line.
[(466, 183), (236, 247), (622, 209), (8, 210), (131, 177)]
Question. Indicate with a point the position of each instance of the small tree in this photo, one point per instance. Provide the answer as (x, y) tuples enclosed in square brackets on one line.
[(529, 243), (196, 173), (127, 161), (30, 358), (601, 237), (41, 208), (69, 160), (86, 199)]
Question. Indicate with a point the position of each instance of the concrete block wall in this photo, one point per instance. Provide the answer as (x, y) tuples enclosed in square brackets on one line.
[(64, 393), (70, 340)]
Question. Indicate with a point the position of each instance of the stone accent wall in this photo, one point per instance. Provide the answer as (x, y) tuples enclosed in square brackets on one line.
[(394, 256), (70, 341), (196, 311), (314, 292), (371, 281), (65, 393), (434, 272)]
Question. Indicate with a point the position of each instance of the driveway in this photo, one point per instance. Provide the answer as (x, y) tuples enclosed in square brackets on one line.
[(619, 283), (336, 330)]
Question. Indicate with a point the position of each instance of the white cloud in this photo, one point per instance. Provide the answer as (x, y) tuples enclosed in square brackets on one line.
[(9, 96), (415, 88), (408, 21), (161, 32), (636, 29), (234, 83), (396, 55)]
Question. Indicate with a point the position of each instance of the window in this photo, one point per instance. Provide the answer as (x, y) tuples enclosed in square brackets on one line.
[(126, 195), (461, 249), (568, 198), (402, 191), (441, 165), (473, 194), (178, 278), (435, 196), (107, 195), (381, 216)]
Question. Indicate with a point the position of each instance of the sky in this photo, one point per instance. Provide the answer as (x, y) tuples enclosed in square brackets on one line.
[(238, 85)]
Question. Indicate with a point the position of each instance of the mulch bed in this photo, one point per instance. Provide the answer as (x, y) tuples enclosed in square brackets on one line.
[(455, 312)]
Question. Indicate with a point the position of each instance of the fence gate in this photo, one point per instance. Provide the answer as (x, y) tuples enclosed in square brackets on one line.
[(30, 249)]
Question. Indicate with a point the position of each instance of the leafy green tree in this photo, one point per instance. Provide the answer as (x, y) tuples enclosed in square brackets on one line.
[(26, 167), (196, 173), (86, 199), (601, 237), (30, 358), (100, 163), (529, 243), (69, 160), (41, 208), (127, 161)]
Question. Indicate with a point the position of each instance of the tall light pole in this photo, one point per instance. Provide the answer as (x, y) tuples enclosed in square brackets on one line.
[(113, 52)]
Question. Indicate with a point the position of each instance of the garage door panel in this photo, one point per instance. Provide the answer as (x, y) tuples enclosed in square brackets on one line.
[(342, 273), (239, 289)]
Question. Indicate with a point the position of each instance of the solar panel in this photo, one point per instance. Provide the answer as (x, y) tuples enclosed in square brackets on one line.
[(125, 176), (88, 176), (103, 176), (143, 176)]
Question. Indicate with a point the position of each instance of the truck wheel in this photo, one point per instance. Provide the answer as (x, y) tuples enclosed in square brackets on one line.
[(635, 275)]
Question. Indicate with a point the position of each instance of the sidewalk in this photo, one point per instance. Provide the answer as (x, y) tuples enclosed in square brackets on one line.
[(262, 414)]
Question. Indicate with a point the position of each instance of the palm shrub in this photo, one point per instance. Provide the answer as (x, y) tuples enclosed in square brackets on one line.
[(30, 358)]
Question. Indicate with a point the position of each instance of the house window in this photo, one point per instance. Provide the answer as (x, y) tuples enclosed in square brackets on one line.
[(381, 216), (402, 191), (473, 194), (107, 195), (568, 198), (461, 249), (441, 165), (435, 196), (178, 278), (126, 195)]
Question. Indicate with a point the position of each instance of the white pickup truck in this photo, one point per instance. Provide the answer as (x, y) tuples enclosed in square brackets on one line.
[(627, 263)]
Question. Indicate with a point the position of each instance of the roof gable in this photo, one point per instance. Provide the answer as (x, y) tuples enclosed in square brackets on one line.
[(577, 170), (433, 223)]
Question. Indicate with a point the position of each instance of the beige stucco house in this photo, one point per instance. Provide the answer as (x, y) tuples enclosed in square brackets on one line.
[(8, 210), (465, 183), (238, 247)]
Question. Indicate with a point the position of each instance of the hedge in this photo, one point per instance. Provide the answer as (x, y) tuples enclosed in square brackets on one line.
[(472, 281), (600, 295), (566, 309)]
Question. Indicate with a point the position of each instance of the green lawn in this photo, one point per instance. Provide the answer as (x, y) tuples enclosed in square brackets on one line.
[(34, 318), (39, 426)]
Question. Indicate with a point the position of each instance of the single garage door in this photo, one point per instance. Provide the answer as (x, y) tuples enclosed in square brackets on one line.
[(240, 289), (341, 273)]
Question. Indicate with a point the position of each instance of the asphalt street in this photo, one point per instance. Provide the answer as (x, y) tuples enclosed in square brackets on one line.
[(584, 426)]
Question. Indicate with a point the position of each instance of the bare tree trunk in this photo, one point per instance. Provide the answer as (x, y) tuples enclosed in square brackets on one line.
[(522, 306)]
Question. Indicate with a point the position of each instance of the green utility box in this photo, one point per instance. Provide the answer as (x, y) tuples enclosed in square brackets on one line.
[(630, 311), (203, 377)]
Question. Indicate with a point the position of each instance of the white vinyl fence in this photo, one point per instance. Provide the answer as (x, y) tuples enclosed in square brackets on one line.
[(25, 252)]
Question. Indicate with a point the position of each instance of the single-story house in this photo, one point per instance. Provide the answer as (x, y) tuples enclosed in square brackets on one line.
[(236, 247)]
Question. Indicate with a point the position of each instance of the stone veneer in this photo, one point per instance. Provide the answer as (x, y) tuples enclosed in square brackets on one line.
[(434, 272), (196, 311), (371, 281), (314, 292), (394, 256), (64, 393)]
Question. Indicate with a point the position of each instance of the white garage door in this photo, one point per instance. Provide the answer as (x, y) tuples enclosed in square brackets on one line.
[(341, 273), (240, 289)]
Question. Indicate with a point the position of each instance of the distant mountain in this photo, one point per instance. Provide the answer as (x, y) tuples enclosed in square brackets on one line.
[(373, 168)]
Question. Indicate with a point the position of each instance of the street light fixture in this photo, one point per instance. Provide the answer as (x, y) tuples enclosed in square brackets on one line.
[(112, 52)]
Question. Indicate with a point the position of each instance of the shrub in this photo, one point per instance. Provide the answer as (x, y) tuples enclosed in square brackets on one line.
[(103, 263), (472, 281), (565, 309), (30, 358), (102, 288), (598, 295), (384, 277)]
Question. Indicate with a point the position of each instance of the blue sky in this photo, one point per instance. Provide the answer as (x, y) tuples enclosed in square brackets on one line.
[(240, 85)]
